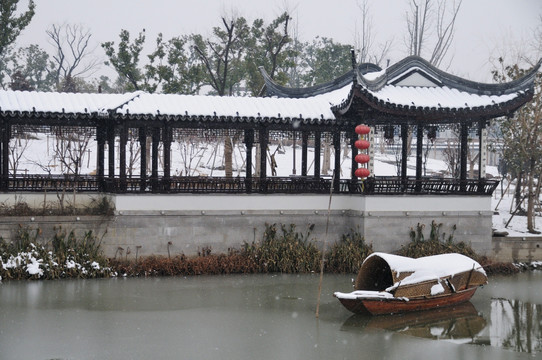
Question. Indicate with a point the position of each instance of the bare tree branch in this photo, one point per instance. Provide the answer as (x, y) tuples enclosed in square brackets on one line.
[(72, 56)]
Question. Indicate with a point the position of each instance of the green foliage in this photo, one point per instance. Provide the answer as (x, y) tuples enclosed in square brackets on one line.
[(285, 252), (521, 133), (173, 67), (125, 59), (11, 24), (325, 60), (347, 255), (436, 244), (222, 55), (269, 47), (520, 141)]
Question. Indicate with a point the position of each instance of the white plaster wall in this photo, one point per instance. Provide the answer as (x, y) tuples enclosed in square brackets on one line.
[(237, 202), (427, 203), (258, 202)]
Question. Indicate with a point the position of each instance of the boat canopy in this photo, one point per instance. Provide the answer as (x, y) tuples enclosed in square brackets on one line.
[(387, 272)]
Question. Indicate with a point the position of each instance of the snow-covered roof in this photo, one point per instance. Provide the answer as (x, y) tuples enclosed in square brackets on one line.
[(409, 89), (312, 109), (55, 102), (438, 97), (316, 107), (415, 88), (427, 268)]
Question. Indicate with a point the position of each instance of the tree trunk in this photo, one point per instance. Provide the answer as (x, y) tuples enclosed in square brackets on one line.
[(228, 150), (531, 198), (327, 158), (257, 162), (517, 194)]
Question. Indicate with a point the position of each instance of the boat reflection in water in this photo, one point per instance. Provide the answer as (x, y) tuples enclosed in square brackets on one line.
[(509, 324), (460, 323)]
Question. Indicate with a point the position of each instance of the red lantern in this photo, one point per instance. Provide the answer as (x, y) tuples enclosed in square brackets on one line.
[(362, 144), (362, 129), (362, 172), (362, 158)]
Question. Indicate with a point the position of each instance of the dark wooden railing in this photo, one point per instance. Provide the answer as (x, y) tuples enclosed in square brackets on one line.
[(272, 185)]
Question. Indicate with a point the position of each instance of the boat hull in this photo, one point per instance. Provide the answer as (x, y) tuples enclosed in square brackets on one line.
[(381, 306)]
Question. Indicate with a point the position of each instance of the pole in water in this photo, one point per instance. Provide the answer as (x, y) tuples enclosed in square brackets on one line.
[(324, 247)]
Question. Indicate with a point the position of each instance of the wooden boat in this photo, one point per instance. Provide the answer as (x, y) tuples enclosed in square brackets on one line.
[(390, 284)]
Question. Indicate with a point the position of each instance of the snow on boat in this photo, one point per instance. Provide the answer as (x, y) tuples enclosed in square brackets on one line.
[(390, 284)]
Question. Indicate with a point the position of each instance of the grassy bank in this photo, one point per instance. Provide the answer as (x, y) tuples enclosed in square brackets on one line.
[(283, 249)]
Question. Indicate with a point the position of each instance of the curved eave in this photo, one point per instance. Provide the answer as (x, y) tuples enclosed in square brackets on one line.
[(446, 79), (274, 89), (222, 120), (211, 120), (433, 113), (37, 115)]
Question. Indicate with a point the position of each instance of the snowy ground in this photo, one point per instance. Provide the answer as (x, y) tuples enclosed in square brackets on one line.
[(195, 158)]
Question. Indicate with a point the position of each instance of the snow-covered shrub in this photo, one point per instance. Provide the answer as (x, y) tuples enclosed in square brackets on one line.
[(25, 258)]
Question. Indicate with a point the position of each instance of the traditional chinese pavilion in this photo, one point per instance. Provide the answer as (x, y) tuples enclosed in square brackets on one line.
[(408, 98)]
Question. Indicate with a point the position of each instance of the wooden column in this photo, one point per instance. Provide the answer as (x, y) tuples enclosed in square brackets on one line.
[(404, 154), (167, 139), (101, 134), (337, 169), (5, 138), (154, 159), (123, 140), (111, 152), (464, 137), (264, 140), (249, 143), (143, 158), (294, 150), (482, 150), (317, 150), (304, 146), (419, 157), (354, 151)]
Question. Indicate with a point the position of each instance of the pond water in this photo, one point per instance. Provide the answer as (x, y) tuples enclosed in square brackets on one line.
[(257, 317)]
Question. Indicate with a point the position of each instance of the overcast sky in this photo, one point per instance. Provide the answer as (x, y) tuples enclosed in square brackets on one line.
[(484, 27)]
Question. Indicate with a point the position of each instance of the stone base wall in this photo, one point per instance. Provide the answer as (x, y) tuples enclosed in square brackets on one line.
[(153, 224), (517, 249)]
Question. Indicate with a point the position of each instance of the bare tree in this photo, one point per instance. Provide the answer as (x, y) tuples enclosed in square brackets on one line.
[(191, 150), (452, 153), (431, 28), (17, 147), (365, 39), (134, 151), (72, 57), (71, 145)]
